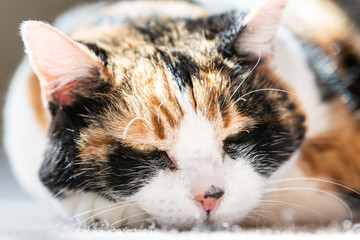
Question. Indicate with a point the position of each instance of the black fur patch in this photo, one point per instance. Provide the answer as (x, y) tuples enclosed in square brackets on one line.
[(333, 82), (122, 174), (272, 141), (267, 146), (182, 67), (328, 81), (351, 64), (130, 170), (99, 52), (155, 31), (226, 27), (59, 171)]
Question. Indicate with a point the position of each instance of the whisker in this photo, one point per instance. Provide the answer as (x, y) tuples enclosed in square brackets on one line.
[(253, 218), (313, 179), (246, 77), (107, 210), (158, 112), (131, 122), (129, 217), (315, 190), (95, 209), (258, 214), (311, 194), (258, 90), (284, 193), (266, 89), (145, 219), (59, 193), (274, 203), (261, 211)]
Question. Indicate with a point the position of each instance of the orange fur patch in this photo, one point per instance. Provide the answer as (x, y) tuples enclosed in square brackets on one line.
[(335, 155), (36, 102)]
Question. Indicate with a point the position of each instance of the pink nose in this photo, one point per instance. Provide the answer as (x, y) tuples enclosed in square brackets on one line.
[(209, 199)]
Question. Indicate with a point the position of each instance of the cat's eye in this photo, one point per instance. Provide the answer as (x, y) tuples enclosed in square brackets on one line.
[(236, 136)]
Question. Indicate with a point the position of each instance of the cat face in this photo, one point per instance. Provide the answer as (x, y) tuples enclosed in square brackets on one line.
[(182, 117)]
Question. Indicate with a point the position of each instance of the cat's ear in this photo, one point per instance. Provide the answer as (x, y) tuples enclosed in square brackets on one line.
[(261, 25), (63, 67)]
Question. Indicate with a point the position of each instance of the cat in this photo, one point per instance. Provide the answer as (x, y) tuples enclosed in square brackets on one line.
[(131, 113)]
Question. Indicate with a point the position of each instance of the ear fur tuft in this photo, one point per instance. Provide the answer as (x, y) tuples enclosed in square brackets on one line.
[(261, 26), (63, 68)]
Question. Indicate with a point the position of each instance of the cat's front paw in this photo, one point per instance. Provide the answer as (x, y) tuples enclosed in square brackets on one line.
[(90, 210)]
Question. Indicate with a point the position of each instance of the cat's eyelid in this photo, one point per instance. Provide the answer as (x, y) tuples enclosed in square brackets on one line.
[(145, 148), (237, 134)]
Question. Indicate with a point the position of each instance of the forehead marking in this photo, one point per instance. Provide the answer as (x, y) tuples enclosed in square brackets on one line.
[(182, 67)]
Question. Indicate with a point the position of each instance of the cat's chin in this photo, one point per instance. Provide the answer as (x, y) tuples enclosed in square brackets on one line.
[(92, 211)]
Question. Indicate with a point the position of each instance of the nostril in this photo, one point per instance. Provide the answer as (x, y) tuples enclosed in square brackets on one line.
[(211, 197), (214, 192)]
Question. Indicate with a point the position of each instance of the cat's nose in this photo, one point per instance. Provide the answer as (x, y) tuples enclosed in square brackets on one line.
[(209, 199)]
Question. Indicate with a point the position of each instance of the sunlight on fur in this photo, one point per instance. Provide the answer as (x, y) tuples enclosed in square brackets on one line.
[(168, 115)]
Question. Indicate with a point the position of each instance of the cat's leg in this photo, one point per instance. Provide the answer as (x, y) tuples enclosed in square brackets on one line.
[(90, 210)]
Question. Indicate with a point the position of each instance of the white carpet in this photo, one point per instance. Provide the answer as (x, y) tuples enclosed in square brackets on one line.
[(22, 218)]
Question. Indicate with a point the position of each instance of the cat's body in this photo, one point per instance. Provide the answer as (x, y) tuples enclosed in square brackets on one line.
[(160, 111)]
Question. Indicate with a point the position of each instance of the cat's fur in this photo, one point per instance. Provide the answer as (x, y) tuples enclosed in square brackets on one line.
[(153, 108)]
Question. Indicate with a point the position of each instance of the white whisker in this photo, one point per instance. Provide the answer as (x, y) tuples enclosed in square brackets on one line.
[(313, 179), (129, 217), (99, 213), (251, 218), (131, 122), (315, 190), (158, 112), (258, 213), (246, 77), (141, 220), (95, 209), (265, 89), (274, 203)]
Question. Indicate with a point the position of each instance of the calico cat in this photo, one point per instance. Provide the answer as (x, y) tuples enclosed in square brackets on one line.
[(140, 111)]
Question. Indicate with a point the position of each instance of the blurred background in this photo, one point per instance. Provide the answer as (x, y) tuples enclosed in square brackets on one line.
[(13, 12)]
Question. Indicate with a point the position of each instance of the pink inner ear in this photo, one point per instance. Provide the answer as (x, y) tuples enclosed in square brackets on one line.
[(57, 60), (261, 27)]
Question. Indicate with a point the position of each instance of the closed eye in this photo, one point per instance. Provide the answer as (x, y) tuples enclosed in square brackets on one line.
[(235, 137), (146, 149)]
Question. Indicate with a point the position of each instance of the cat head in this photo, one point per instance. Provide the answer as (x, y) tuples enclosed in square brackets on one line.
[(186, 117)]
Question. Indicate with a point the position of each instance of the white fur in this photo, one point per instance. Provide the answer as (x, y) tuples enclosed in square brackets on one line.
[(291, 64), (169, 198), (24, 139), (220, 6)]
